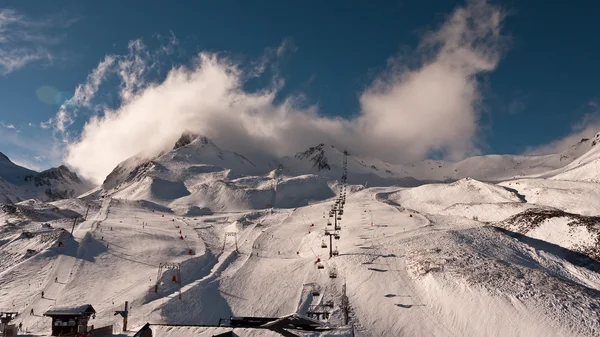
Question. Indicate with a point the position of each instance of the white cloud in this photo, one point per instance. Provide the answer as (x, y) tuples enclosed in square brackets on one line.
[(130, 70), (84, 94), (587, 127), (405, 113), (8, 126), (24, 40)]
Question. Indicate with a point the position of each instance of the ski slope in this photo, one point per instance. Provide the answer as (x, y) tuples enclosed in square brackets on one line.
[(406, 273), (460, 257)]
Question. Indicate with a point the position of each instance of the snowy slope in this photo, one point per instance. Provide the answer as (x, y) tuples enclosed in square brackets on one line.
[(413, 275), (326, 160), (574, 232), (434, 198), (197, 173), (497, 167), (415, 261), (196, 160), (585, 168), (18, 183), (569, 196)]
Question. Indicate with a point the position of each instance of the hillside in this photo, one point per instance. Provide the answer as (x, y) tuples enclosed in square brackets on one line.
[(425, 257), (402, 271), (197, 174), (433, 198), (18, 183)]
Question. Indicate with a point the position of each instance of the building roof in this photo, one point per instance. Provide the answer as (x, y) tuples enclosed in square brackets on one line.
[(242, 326), (178, 331), (71, 311)]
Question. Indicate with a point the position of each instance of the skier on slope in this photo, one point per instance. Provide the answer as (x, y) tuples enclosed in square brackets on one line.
[(42, 294)]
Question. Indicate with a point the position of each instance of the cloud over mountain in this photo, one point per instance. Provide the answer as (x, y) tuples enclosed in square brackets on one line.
[(407, 112)]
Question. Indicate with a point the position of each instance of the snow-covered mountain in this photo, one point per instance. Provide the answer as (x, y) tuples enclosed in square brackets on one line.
[(326, 160), (422, 250), (18, 183), (198, 173)]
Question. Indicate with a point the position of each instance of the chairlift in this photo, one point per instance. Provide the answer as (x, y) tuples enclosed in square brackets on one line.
[(323, 244), (336, 236), (339, 218), (335, 252), (320, 266), (331, 215), (333, 273), (327, 232), (328, 223)]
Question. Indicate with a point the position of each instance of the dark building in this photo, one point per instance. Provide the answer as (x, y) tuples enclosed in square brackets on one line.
[(70, 320)]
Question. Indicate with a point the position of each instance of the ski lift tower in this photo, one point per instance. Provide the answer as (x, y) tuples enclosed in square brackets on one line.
[(176, 267), (228, 234), (345, 165), (331, 234)]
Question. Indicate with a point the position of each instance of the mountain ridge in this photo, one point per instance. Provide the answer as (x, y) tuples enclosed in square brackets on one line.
[(18, 183)]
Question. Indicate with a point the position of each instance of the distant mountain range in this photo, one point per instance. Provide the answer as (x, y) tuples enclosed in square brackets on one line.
[(18, 183), (196, 172)]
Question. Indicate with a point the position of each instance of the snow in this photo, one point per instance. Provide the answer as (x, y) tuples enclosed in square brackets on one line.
[(570, 196), (18, 183), (434, 198), (464, 258), (268, 278), (69, 310)]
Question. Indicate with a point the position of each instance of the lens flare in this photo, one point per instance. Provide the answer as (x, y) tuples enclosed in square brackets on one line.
[(47, 94)]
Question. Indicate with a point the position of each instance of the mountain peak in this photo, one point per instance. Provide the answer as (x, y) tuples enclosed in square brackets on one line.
[(3, 156), (187, 138)]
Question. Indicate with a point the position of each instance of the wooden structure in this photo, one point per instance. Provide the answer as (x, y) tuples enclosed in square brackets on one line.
[(7, 329), (70, 320), (319, 312), (290, 325)]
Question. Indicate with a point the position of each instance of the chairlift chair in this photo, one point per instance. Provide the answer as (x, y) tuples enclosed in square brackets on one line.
[(320, 266), (339, 218), (328, 223), (323, 244), (335, 252), (332, 273), (336, 236)]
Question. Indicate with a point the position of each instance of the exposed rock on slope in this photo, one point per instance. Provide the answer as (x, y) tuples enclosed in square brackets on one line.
[(575, 232), (317, 156)]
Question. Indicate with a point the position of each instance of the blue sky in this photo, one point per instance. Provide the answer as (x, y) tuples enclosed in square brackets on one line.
[(541, 94)]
